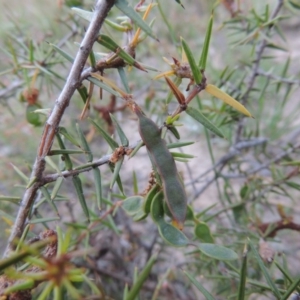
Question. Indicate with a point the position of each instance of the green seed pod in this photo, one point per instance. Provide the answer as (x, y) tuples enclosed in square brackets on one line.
[(174, 192)]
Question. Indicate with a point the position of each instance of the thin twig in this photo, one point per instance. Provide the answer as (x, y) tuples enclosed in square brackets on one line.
[(266, 164), (255, 67), (280, 79), (101, 10), (233, 151)]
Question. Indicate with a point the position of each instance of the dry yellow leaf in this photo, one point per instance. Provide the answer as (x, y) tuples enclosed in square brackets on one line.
[(216, 92)]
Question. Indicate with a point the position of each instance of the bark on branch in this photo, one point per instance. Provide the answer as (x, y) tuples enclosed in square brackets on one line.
[(74, 80)]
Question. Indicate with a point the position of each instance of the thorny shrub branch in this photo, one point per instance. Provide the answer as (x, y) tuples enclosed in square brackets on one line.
[(255, 68), (73, 81)]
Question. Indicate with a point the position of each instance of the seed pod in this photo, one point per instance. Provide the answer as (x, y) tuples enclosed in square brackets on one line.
[(174, 192)]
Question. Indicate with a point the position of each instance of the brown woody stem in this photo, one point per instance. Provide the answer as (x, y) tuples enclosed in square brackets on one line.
[(74, 80)]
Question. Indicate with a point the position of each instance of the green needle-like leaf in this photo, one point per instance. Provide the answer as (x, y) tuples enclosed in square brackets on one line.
[(265, 271), (199, 286), (78, 187), (84, 144), (98, 186), (204, 54), (194, 67), (67, 160), (63, 53), (43, 220), (141, 278), (84, 14), (63, 131), (111, 142), (123, 6), (116, 173), (124, 80), (123, 138), (243, 276), (198, 116), (64, 151), (179, 144)]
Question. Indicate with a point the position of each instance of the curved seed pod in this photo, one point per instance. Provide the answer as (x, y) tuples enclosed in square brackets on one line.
[(150, 196), (173, 188)]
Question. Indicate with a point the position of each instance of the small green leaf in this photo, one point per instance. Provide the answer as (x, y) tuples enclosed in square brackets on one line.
[(204, 54), (123, 138), (190, 216), (198, 116), (47, 195), (84, 144), (98, 186), (202, 232), (157, 210), (179, 2), (31, 52), (149, 198), (43, 220), (136, 149), (107, 42), (56, 187), (63, 131), (195, 69), (179, 144), (31, 116), (26, 284), (78, 187), (117, 168), (132, 204), (140, 215), (63, 53), (117, 26), (217, 251), (181, 155), (67, 159), (141, 278), (135, 183), (172, 235), (15, 200), (283, 74), (175, 132), (291, 289), (134, 16), (117, 178), (264, 271), (64, 151), (294, 4), (84, 14), (243, 276), (103, 86), (199, 286), (83, 92), (20, 173), (124, 79), (112, 143), (92, 59), (293, 185)]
